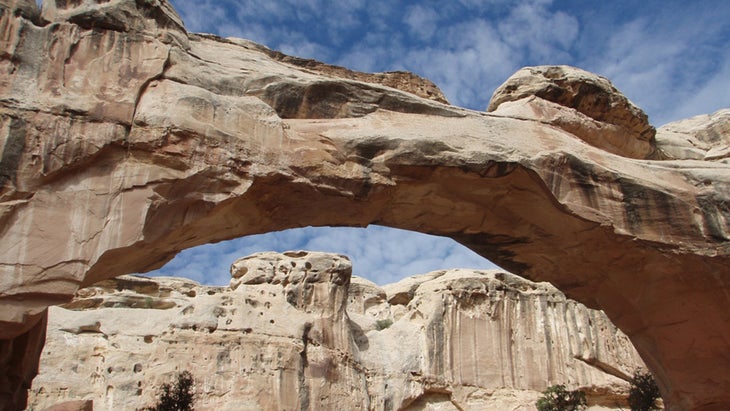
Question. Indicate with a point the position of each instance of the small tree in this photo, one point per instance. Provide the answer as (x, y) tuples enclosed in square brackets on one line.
[(643, 392), (558, 398), (177, 397)]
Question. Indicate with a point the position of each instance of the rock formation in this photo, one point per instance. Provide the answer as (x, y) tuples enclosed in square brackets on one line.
[(581, 103), (126, 139), (294, 332)]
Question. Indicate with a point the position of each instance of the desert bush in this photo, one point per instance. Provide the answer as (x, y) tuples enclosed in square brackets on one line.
[(558, 398), (383, 324), (643, 392), (178, 396)]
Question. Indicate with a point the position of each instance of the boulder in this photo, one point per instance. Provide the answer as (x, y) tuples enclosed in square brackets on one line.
[(704, 137), (553, 94)]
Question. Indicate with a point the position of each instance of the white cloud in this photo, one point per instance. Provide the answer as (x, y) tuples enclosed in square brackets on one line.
[(421, 21), (468, 63), (544, 36), (201, 16), (469, 56), (657, 52), (663, 61), (371, 58)]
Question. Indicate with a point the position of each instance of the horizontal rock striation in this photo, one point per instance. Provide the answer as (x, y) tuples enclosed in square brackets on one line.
[(293, 331), (124, 139)]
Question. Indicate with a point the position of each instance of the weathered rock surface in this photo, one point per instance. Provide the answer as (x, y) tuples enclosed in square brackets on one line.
[(401, 80), (126, 139), (293, 332), (705, 137), (78, 405), (553, 94)]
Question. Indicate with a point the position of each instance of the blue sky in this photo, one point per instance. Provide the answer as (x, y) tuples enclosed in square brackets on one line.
[(672, 58)]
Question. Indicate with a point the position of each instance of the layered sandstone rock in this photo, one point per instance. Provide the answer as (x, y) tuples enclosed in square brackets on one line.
[(605, 118), (293, 332), (705, 137), (126, 139)]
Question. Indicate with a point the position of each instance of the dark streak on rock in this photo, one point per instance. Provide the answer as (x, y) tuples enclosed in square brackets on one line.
[(715, 215), (303, 364), (640, 204), (12, 151), (491, 169)]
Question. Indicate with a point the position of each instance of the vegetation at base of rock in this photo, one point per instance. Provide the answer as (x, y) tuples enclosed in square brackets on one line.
[(643, 393), (558, 398), (178, 396), (383, 324)]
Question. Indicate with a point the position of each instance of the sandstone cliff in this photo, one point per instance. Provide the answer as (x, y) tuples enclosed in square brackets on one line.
[(125, 139), (294, 332)]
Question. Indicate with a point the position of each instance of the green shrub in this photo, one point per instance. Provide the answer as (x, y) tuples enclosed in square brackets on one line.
[(558, 398), (178, 396), (643, 392), (383, 324)]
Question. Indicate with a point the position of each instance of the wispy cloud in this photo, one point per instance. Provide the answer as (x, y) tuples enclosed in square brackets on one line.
[(464, 62), (667, 54), (538, 34), (422, 21), (468, 50)]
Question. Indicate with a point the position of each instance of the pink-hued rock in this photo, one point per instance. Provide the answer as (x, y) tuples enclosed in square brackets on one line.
[(78, 405), (124, 139)]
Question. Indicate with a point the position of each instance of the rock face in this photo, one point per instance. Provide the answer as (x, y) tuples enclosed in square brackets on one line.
[(293, 332), (705, 137), (126, 139), (605, 118)]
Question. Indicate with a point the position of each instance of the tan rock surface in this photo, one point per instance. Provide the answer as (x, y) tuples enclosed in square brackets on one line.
[(401, 80), (293, 332), (79, 405), (610, 121), (705, 137), (256, 144)]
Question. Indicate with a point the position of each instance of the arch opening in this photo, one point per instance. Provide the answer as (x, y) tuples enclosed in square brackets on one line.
[(380, 254)]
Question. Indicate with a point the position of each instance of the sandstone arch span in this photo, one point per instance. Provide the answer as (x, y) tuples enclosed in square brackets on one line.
[(127, 139)]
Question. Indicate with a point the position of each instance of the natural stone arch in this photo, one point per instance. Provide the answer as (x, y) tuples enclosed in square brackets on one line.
[(129, 139)]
